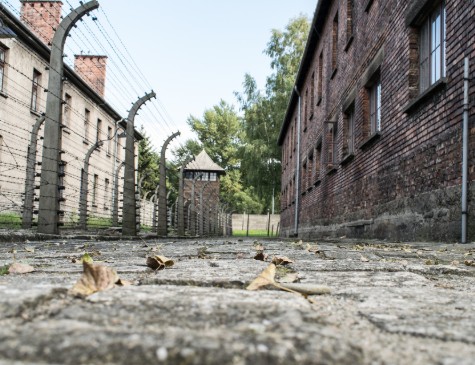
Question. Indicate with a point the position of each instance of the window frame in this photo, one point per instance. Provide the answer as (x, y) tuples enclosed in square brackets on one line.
[(3, 62), (349, 131), (87, 122), (374, 105), (432, 66), (35, 86)]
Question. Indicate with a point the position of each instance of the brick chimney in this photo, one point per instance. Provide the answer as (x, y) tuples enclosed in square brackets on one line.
[(41, 17), (92, 69)]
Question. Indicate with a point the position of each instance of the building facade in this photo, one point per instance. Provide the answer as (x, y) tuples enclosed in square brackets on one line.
[(87, 118), (372, 138)]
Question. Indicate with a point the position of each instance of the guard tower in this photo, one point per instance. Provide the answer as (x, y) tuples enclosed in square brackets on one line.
[(201, 192)]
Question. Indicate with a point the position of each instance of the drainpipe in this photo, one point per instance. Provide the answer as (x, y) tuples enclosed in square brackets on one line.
[(297, 169), (465, 153)]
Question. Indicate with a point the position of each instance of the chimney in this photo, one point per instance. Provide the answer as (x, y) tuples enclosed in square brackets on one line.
[(41, 17), (92, 69)]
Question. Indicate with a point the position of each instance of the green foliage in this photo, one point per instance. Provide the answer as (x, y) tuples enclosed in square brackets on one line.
[(252, 233), (219, 133), (4, 270), (264, 113), (246, 147), (10, 220), (189, 149), (149, 162)]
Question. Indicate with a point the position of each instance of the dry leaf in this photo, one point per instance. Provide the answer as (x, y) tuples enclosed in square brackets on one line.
[(19, 268), (259, 248), (165, 260), (469, 263), (94, 278), (290, 278), (455, 263), (29, 249), (281, 260), (307, 289), (313, 249), (265, 278), (154, 264), (261, 256), (121, 282), (364, 259)]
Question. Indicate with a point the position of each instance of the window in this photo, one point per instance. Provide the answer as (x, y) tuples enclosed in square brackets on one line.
[(304, 174), (312, 96), (98, 131), (67, 111), (213, 176), (35, 89), (310, 169), (348, 132), (332, 145), (320, 79), (109, 141), (2, 67), (94, 190), (432, 48), (318, 158), (305, 113), (1, 149), (375, 105), (349, 20), (87, 118), (106, 194), (335, 45)]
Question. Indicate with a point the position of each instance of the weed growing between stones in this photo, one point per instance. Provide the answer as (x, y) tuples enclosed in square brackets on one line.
[(4, 270)]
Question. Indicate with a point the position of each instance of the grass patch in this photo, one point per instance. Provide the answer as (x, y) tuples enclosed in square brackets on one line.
[(10, 220), (252, 233), (4, 270), (99, 222)]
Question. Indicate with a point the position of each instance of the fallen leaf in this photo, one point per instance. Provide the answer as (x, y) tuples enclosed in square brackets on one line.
[(94, 278), (259, 248), (469, 263), (121, 282), (290, 278), (311, 248), (29, 249), (19, 268), (430, 262), (154, 264), (261, 256), (87, 258), (455, 263), (281, 260), (364, 259), (307, 288), (267, 277)]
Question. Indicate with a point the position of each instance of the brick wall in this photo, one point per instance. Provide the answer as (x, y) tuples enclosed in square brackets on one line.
[(401, 183)]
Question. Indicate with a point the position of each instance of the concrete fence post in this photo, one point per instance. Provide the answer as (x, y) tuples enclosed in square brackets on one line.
[(30, 174), (48, 217), (84, 186), (162, 201), (115, 202), (129, 219)]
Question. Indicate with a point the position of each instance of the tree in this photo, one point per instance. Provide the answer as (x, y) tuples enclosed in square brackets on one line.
[(219, 132), (149, 161), (264, 113)]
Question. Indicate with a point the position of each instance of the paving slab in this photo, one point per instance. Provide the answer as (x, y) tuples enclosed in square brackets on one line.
[(391, 303)]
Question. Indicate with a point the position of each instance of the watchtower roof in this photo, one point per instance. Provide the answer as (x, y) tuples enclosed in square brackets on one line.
[(203, 162)]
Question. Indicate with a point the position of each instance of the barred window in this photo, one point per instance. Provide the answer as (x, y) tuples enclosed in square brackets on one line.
[(35, 89), (2, 67), (432, 48)]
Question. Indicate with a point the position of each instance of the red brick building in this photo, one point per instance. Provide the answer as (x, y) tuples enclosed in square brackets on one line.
[(372, 138)]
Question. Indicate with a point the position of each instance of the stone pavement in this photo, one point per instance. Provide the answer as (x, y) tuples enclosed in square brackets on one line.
[(391, 303)]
